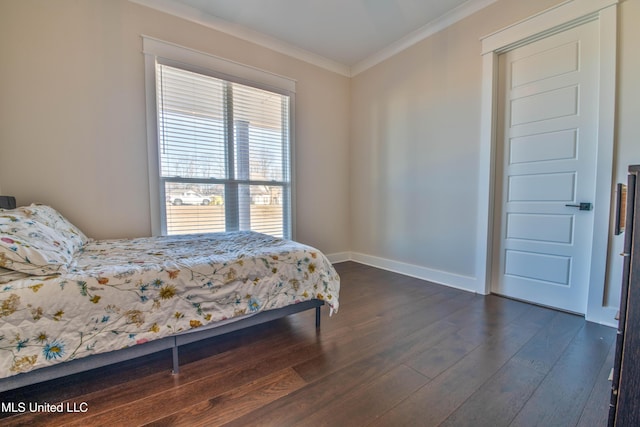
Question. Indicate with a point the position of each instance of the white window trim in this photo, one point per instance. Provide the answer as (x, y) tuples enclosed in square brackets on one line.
[(158, 51)]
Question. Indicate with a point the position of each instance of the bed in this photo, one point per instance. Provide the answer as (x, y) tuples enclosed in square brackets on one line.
[(69, 303)]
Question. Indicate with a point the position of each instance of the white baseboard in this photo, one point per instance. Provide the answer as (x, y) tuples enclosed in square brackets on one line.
[(339, 257), (604, 316), (465, 283)]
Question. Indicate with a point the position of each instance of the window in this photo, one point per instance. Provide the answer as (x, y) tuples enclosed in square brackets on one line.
[(223, 151)]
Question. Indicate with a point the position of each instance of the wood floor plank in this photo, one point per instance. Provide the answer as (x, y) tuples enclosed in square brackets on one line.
[(499, 400), (490, 316), (565, 390), (504, 395), (237, 402), (474, 330), (364, 404), (445, 354), (389, 335), (353, 349), (596, 410), (454, 386), (353, 374), (544, 350), (290, 410)]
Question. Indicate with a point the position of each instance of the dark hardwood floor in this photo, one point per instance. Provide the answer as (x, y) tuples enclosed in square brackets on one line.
[(401, 351)]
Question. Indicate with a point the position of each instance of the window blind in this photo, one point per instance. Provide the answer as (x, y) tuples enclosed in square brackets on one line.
[(224, 151)]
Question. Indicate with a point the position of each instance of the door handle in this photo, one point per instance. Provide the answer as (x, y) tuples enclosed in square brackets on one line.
[(582, 206)]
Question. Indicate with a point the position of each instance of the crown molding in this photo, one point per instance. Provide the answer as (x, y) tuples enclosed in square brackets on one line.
[(194, 15), (459, 13), (244, 33)]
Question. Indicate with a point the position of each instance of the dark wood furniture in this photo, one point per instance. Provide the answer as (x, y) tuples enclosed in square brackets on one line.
[(625, 389)]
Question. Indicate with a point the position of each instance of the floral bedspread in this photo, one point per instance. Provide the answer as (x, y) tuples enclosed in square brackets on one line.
[(119, 293)]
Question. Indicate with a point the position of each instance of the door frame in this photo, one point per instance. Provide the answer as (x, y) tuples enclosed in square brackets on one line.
[(568, 14)]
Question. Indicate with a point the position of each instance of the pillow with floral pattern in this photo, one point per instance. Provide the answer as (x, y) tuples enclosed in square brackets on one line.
[(54, 219), (32, 247)]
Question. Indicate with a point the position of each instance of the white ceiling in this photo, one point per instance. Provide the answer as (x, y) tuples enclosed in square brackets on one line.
[(346, 36)]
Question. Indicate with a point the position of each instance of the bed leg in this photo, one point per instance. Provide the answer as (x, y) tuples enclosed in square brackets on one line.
[(317, 317), (176, 363)]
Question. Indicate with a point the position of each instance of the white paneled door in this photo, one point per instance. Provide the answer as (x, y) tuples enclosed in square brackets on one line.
[(546, 162)]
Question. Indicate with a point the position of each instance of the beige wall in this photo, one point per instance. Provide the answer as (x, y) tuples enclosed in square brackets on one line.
[(415, 146), (415, 143), (72, 115)]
